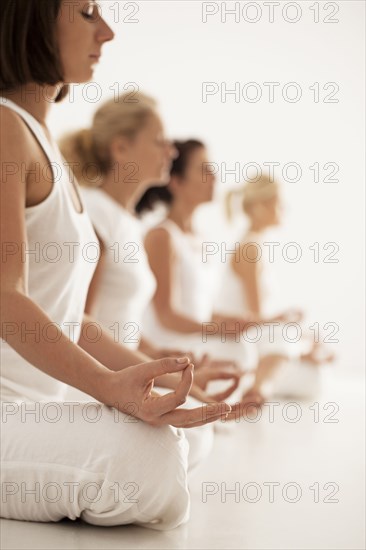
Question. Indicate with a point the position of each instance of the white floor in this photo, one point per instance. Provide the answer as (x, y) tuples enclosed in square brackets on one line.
[(304, 453)]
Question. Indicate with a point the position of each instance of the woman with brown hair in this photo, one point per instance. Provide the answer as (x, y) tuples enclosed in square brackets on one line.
[(184, 299), (48, 340)]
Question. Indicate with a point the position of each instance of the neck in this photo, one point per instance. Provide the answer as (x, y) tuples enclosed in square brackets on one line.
[(117, 185), (257, 226), (35, 98), (181, 213)]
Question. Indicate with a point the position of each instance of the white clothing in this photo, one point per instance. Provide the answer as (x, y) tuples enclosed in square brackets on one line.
[(49, 452), (127, 283), (294, 377), (86, 460), (195, 282), (60, 252), (194, 286)]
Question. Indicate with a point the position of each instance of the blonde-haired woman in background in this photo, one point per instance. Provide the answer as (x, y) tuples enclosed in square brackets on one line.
[(248, 285), (115, 160)]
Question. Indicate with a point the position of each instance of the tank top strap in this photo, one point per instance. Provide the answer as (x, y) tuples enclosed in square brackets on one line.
[(35, 127), (174, 231)]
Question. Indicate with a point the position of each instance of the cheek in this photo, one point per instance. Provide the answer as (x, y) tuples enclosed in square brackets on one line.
[(72, 46)]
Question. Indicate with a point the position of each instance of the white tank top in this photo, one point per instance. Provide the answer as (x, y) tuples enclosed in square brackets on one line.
[(232, 298), (127, 283), (194, 282), (61, 254)]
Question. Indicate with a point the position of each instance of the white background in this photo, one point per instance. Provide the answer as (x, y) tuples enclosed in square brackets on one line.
[(169, 52)]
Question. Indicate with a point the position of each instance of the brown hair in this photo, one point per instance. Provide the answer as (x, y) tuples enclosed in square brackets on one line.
[(28, 45), (89, 150), (161, 194)]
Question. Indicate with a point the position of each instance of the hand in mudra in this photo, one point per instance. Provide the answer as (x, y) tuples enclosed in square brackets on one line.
[(135, 385), (213, 370)]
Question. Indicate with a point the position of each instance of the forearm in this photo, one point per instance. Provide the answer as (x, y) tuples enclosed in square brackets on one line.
[(41, 342), (172, 320), (226, 323), (149, 349), (116, 357), (112, 354)]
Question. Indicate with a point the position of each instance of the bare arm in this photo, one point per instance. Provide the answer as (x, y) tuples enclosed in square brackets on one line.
[(18, 311), (95, 282), (105, 349), (162, 258)]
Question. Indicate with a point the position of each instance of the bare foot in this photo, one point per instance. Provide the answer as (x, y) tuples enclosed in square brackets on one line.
[(318, 355)]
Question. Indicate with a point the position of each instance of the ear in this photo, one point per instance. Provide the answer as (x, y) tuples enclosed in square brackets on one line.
[(119, 148)]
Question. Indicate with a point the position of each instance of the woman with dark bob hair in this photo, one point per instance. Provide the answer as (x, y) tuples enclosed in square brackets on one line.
[(186, 288), (122, 458)]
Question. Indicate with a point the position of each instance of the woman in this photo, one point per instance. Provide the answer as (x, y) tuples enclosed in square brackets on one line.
[(182, 306), (128, 137), (48, 341), (248, 287)]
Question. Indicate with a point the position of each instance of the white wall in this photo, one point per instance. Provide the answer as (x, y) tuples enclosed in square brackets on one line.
[(170, 52)]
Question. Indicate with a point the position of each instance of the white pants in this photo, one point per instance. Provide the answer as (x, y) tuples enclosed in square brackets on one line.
[(88, 460)]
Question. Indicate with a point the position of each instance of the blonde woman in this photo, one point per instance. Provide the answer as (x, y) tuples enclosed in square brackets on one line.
[(248, 287), (136, 465), (115, 160)]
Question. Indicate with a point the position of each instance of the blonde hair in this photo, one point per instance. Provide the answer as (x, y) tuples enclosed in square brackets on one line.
[(260, 190), (88, 150)]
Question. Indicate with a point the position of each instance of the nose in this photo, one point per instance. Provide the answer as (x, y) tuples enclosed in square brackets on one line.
[(105, 33)]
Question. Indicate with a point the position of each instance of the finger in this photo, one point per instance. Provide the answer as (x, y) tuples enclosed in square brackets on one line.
[(248, 407), (208, 421), (220, 374), (185, 385), (158, 406), (204, 414), (203, 362), (226, 365), (166, 365), (223, 364), (222, 396)]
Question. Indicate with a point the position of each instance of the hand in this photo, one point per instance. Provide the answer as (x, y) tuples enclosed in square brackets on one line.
[(248, 407), (133, 385), (161, 353), (215, 370), (288, 316), (207, 361)]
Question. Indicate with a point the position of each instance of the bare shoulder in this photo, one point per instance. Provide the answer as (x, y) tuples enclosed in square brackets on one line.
[(158, 237), (249, 258), (16, 140)]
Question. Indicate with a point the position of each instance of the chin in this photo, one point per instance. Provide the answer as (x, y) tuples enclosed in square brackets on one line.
[(81, 77)]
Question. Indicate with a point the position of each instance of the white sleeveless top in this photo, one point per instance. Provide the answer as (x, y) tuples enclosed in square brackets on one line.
[(232, 299), (195, 285), (127, 283), (63, 250)]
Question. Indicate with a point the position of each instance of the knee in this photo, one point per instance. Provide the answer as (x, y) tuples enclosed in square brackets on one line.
[(171, 497), (158, 464)]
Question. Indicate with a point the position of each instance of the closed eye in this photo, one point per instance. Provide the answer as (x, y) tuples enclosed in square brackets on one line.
[(91, 11)]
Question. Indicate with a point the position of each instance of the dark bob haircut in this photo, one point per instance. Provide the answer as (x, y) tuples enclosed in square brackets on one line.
[(28, 46), (161, 194)]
